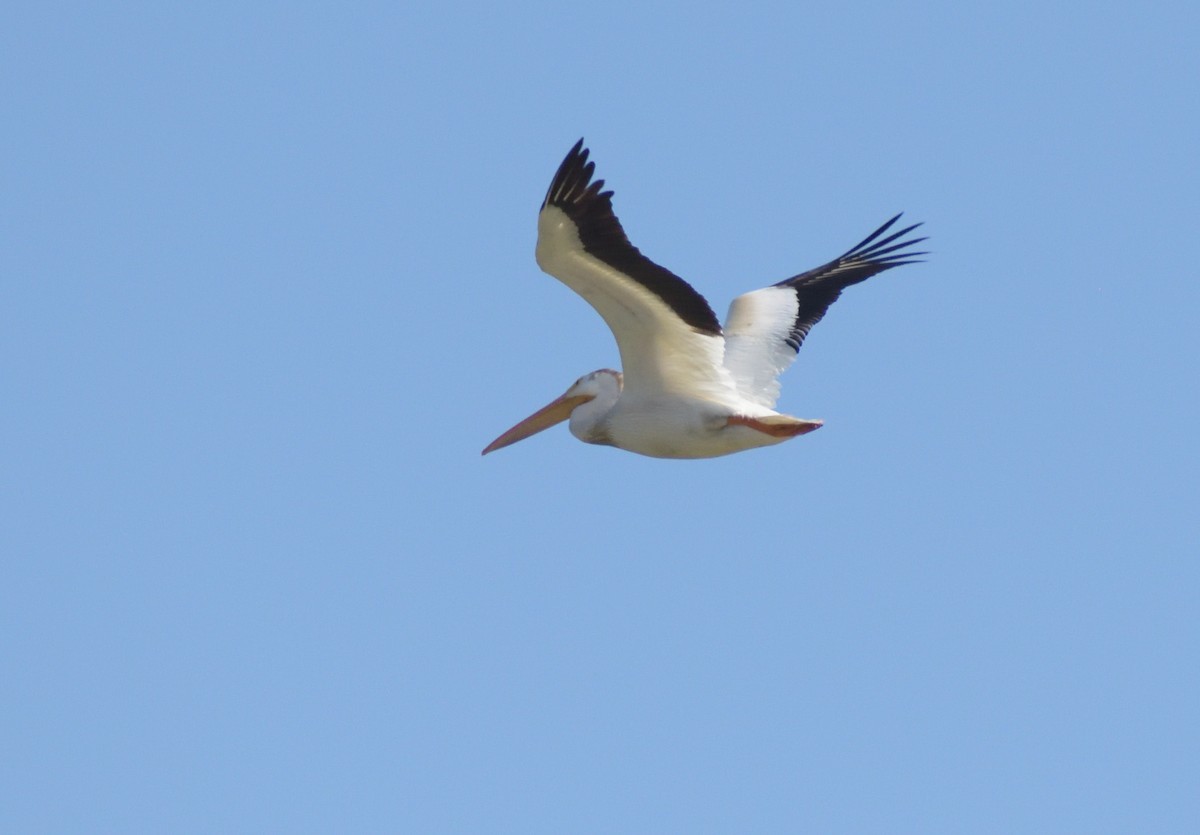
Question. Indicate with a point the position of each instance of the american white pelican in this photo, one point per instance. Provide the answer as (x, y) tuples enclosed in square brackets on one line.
[(689, 389)]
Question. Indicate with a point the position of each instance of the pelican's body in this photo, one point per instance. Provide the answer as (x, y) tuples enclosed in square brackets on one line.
[(669, 424), (689, 388)]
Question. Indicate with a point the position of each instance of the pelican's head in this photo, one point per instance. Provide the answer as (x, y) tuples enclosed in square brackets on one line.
[(600, 388)]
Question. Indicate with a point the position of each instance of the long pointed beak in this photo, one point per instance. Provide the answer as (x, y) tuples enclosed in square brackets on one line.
[(543, 418)]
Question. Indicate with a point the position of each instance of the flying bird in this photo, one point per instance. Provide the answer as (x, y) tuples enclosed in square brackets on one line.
[(688, 388)]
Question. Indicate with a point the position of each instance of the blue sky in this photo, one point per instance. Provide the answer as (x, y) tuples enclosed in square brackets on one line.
[(268, 288)]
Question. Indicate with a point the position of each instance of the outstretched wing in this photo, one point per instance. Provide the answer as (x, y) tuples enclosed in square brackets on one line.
[(765, 328), (668, 336)]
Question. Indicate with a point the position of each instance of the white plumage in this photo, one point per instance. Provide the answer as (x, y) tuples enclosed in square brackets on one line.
[(756, 348)]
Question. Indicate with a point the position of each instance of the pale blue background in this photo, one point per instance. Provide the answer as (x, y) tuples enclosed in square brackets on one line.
[(267, 288)]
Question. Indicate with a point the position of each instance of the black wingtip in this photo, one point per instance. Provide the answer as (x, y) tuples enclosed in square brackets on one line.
[(874, 244), (573, 175), (817, 289)]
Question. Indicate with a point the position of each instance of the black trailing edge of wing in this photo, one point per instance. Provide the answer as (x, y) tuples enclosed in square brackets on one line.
[(582, 200), (817, 289)]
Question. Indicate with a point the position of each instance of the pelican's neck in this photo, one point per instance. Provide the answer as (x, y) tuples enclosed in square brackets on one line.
[(589, 420)]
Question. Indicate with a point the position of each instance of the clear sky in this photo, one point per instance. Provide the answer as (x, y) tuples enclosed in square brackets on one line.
[(267, 288)]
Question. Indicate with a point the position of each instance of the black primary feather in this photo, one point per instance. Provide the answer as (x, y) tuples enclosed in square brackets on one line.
[(819, 288)]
